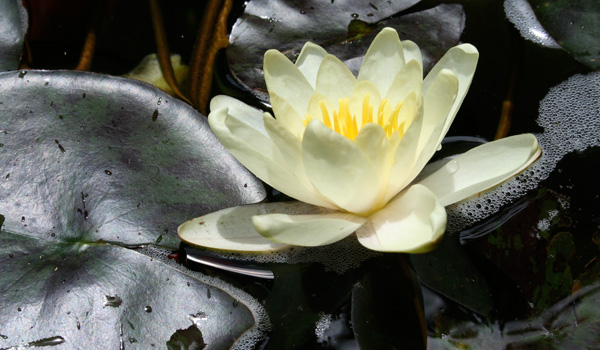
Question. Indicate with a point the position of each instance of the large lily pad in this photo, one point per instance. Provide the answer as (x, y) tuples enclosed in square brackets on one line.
[(91, 165), (343, 28), (92, 296), (90, 157), (575, 25), (13, 26)]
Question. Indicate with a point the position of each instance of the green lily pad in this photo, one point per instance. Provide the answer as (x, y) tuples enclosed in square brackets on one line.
[(575, 25), (91, 167), (13, 26), (449, 271), (101, 296), (343, 29), (90, 157)]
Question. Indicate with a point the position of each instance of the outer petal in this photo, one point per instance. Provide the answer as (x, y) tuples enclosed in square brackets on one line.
[(309, 61), (286, 80), (307, 230), (383, 60), (252, 147), (412, 52), (412, 222), (461, 60), (239, 110), (338, 169), (334, 80), (482, 167), (438, 101), (437, 104), (232, 228)]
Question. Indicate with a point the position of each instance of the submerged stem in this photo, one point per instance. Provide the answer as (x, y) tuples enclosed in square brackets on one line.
[(162, 48), (211, 39), (89, 45), (416, 300)]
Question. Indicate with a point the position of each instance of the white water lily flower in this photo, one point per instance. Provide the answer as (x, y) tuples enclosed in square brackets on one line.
[(349, 149)]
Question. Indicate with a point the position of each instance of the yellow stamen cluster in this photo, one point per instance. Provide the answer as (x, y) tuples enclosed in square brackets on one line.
[(344, 123)]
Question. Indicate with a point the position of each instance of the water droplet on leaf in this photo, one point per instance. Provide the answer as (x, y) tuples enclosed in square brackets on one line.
[(452, 166)]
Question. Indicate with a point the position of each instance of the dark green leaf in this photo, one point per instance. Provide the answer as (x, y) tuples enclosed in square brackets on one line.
[(449, 271), (101, 296), (300, 294), (343, 29), (87, 171), (13, 26), (575, 25), (82, 158)]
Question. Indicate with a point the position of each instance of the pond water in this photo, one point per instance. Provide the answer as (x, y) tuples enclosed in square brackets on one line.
[(518, 268)]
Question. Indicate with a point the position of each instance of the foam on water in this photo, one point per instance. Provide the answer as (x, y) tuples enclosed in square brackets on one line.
[(570, 116), (520, 13)]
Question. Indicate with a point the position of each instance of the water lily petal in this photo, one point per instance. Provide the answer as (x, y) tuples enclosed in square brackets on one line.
[(413, 222), (229, 229), (405, 155), (309, 229), (338, 169), (437, 104), (334, 79), (408, 80), (290, 148), (287, 115), (482, 167), (309, 60), (461, 60), (239, 110), (383, 60), (412, 52), (376, 146), (256, 151), (286, 80)]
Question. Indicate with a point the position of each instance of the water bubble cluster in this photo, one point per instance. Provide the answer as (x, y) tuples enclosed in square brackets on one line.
[(322, 325), (520, 13), (570, 116)]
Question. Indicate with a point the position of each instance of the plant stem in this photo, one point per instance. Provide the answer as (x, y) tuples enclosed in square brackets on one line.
[(211, 39), (162, 48)]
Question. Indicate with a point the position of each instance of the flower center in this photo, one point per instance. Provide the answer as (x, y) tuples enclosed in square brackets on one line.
[(344, 123)]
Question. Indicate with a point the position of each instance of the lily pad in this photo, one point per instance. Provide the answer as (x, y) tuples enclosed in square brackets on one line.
[(449, 271), (13, 26), (575, 25), (91, 157), (91, 167), (86, 296), (344, 29)]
